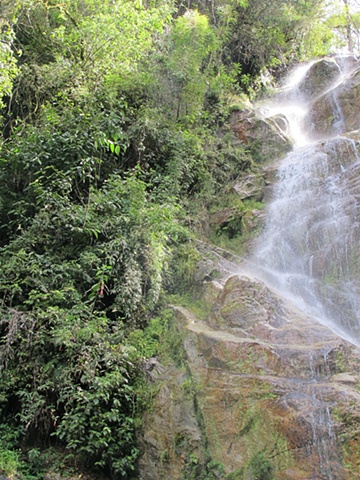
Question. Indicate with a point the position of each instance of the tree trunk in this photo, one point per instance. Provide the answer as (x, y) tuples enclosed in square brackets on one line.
[(348, 26)]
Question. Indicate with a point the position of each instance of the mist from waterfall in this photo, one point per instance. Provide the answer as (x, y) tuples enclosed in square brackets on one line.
[(309, 250)]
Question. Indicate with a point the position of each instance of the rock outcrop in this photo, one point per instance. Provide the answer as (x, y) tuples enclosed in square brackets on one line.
[(266, 139), (263, 386), (250, 186), (337, 110), (318, 78), (171, 430), (264, 390)]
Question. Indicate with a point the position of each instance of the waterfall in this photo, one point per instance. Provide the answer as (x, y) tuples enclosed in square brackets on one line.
[(309, 250)]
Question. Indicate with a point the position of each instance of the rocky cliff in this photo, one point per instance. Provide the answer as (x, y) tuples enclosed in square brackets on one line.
[(263, 388), (264, 391)]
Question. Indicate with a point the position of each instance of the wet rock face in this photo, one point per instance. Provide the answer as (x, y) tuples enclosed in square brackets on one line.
[(239, 308), (338, 110), (269, 387), (266, 139), (318, 78), (170, 431)]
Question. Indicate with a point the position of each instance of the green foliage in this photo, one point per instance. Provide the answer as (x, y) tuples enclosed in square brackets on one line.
[(67, 47), (344, 24), (9, 462), (180, 277), (114, 145), (190, 43), (7, 52), (257, 35), (169, 340), (194, 469), (260, 468), (83, 262), (317, 42), (151, 341), (173, 159), (7, 60)]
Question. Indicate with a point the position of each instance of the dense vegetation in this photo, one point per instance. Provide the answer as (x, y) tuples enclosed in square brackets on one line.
[(114, 136)]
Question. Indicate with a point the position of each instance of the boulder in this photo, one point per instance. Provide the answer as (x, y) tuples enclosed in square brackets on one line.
[(213, 264), (347, 62), (266, 139), (250, 186), (338, 110), (320, 77), (220, 218), (252, 221)]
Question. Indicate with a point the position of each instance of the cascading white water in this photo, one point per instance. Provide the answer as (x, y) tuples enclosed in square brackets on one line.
[(310, 248)]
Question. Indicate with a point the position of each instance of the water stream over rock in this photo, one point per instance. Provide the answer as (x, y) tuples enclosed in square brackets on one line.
[(310, 249), (270, 378)]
